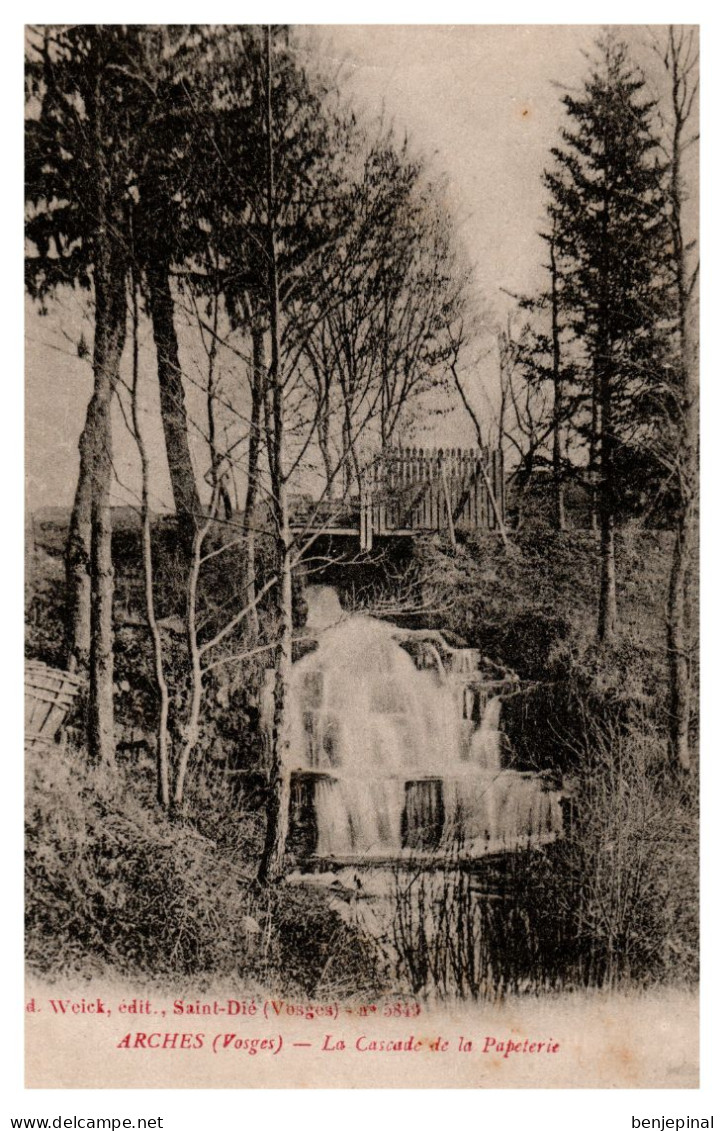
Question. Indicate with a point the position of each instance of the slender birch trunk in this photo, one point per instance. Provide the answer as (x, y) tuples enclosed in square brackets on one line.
[(162, 757), (557, 389), (681, 61), (96, 446), (272, 862), (249, 519), (191, 730)]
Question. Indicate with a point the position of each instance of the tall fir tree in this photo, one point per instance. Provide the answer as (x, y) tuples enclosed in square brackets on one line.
[(107, 108), (77, 158), (608, 196)]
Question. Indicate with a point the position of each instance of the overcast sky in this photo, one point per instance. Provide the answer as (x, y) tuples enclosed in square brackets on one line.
[(482, 101)]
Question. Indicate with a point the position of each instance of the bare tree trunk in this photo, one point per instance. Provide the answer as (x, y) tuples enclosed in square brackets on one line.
[(603, 433), (684, 542), (110, 333), (173, 405), (191, 735), (607, 610), (678, 640), (109, 276), (504, 381), (594, 467), (249, 519), (685, 539), (162, 760), (218, 478), (557, 390), (326, 450), (272, 861), (681, 61), (528, 465), (77, 557), (323, 430), (352, 469), (101, 739)]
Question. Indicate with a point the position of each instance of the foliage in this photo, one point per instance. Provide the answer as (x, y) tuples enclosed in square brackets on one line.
[(612, 905), (531, 609), (632, 860), (111, 885), (393, 288), (608, 205), (480, 933)]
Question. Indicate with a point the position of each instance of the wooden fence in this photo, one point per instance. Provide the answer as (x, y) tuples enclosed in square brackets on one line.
[(49, 695), (414, 490)]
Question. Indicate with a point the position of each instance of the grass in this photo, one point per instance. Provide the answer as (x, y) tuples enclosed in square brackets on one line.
[(113, 886)]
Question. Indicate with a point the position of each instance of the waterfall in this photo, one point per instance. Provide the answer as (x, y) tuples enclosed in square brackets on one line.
[(404, 749), (485, 741)]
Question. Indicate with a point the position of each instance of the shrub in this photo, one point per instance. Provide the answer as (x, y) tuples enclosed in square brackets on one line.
[(480, 931), (113, 887), (631, 861), (614, 903)]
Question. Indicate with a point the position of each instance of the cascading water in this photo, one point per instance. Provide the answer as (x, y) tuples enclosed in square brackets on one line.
[(397, 748)]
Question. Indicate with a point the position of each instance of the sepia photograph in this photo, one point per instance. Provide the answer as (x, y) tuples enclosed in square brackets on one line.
[(361, 556)]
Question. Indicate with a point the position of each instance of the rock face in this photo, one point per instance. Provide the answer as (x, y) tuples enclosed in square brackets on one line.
[(397, 748)]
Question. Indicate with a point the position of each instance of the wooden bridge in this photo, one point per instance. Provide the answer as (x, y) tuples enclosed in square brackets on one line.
[(411, 491)]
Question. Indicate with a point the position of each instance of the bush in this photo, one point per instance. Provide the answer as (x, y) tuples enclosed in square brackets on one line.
[(113, 887), (613, 904), (481, 931), (533, 609), (631, 861)]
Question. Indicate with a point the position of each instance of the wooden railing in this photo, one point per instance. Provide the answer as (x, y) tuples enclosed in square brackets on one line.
[(49, 695), (418, 489)]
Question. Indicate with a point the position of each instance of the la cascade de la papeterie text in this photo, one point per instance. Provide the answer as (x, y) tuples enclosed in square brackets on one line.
[(329, 1043), (317, 1033)]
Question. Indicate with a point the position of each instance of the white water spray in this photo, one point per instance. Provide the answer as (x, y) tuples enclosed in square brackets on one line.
[(396, 751)]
